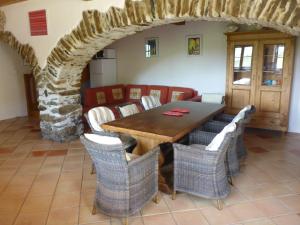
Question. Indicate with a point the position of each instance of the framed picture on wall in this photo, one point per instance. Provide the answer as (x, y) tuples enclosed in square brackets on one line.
[(194, 45), (151, 47)]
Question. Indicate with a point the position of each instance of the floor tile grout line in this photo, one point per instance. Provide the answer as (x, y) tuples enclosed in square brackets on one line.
[(13, 175), (174, 220), (19, 211), (53, 194), (82, 175), (17, 169)]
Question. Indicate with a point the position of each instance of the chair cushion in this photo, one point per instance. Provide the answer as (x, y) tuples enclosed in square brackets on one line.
[(147, 102), (219, 138), (130, 156), (100, 115), (107, 140), (241, 114), (116, 94), (212, 98), (161, 92), (179, 93), (134, 93), (103, 140), (150, 102), (128, 110)]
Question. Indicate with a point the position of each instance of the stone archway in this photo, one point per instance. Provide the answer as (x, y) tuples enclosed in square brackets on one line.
[(59, 96), (25, 50)]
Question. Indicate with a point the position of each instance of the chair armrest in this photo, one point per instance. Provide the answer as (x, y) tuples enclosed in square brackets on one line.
[(214, 126), (143, 177), (104, 133), (144, 163), (195, 155), (128, 141), (225, 117), (186, 149), (199, 136)]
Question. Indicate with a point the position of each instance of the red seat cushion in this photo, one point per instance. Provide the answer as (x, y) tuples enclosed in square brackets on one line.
[(95, 97), (179, 93), (159, 91), (135, 92), (115, 94)]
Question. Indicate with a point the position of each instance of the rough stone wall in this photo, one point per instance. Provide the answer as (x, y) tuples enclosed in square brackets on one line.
[(2, 20), (59, 81)]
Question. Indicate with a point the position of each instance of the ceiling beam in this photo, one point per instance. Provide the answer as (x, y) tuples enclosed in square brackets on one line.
[(8, 2)]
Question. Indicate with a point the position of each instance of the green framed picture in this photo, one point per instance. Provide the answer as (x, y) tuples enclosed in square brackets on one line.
[(194, 44)]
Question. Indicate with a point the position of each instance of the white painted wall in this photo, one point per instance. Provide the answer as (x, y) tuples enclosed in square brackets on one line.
[(12, 89), (62, 17), (294, 122), (205, 73)]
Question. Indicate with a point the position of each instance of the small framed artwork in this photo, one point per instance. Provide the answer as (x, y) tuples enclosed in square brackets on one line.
[(194, 44), (38, 22), (151, 47)]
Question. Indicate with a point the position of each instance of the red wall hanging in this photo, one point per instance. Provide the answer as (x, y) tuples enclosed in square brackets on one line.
[(38, 23)]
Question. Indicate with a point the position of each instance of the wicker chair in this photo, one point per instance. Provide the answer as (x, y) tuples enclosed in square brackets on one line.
[(150, 102), (232, 161), (228, 118), (200, 170), (224, 119), (123, 187), (99, 115)]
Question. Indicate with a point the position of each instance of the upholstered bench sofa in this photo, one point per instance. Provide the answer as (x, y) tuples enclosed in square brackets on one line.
[(112, 96)]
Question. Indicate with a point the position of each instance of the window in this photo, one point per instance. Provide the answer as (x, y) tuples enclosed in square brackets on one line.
[(151, 47), (243, 57)]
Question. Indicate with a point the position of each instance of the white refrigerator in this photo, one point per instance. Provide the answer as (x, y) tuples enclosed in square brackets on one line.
[(103, 72)]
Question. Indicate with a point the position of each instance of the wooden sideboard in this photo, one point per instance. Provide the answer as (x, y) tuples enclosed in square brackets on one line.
[(259, 72)]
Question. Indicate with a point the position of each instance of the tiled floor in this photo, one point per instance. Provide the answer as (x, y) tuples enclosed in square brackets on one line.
[(42, 182)]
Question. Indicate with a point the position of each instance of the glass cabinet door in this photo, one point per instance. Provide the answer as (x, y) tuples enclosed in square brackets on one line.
[(273, 55), (242, 66)]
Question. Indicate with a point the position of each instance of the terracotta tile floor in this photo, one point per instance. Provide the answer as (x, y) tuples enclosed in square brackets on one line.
[(42, 182)]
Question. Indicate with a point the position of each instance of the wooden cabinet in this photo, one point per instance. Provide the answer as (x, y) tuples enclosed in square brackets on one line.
[(259, 72)]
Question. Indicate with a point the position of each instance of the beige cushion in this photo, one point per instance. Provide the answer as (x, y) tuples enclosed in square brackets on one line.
[(100, 115), (135, 93), (175, 95), (130, 156), (103, 140), (129, 110), (155, 93), (241, 114), (106, 140), (219, 138), (101, 98), (150, 102), (156, 101), (117, 93)]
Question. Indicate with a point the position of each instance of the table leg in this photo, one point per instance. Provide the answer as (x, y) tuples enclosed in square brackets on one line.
[(143, 146)]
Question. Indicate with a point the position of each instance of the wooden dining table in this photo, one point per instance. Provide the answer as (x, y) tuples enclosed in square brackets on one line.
[(151, 128)]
